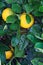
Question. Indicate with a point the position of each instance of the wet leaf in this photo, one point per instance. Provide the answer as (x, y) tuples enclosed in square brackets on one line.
[(36, 61), (2, 52), (19, 53), (9, 1), (16, 8), (14, 41), (11, 19), (32, 38), (41, 8), (28, 19), (28, 8), (39, 47), (18, 63)]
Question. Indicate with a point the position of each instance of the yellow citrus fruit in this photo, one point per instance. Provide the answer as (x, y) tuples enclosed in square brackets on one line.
[(8, 54), (23, 21), (6, 12)]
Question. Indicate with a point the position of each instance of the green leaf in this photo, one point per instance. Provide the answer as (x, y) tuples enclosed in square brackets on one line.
[(9, 63), (36, 61), (37, 13), (23, 42), (36, 5), (14, 41), (28, 19), (2, 32), (2, 56), (40, 63), (11, 19), (16, 8), (9, 1), (35, 29), (42, 35), (39, 47), (2, 5), (41, 8), (25, 62), (3, 48), (32, 38), (23, 45), (42, 2), (14, 26), (18, 63), (39, 37), (42, 20), (19, 1), (18, 52), (28, 8)]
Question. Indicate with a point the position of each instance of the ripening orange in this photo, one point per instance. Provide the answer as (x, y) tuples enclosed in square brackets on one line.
[(23, 21), (6, 12), (8, 54)]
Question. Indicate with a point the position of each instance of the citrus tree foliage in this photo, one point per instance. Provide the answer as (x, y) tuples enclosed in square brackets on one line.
[(27, 44)]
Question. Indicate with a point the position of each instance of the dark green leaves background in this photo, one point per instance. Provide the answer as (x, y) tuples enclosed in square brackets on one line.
[(26, 42)]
